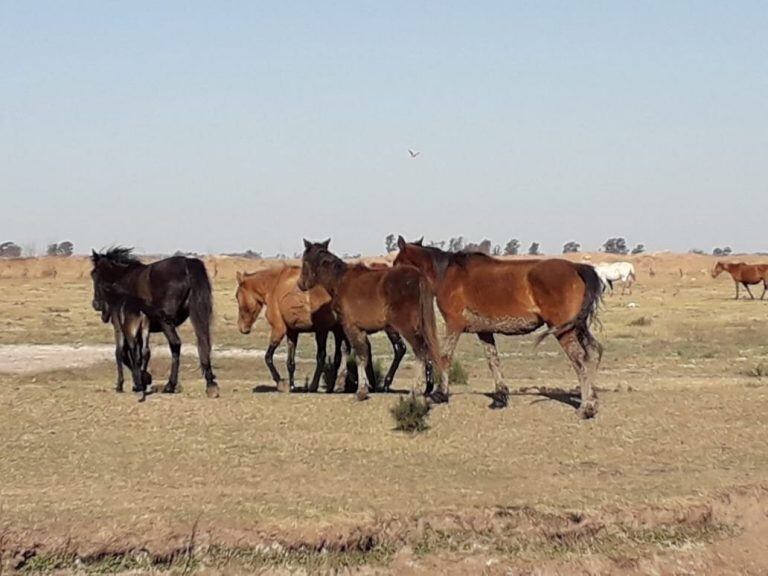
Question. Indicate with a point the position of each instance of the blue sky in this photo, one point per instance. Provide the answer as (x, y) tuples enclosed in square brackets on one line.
[(222, 126)]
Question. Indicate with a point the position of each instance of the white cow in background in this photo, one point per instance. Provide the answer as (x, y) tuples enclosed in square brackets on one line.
[(623, 272)]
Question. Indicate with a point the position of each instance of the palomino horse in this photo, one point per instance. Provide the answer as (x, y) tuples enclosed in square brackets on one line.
[(169, 291), (744, 274), (482, 295), (610, 272), (367, 300), (291, 312)]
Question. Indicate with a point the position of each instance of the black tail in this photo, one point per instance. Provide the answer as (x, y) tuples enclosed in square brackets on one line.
[(201, 311), (588, 315)]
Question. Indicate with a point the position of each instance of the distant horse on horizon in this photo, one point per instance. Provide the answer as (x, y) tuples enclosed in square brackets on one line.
[(485, 296), (168, 291), (744, 274), (610, 272), (367, 300)]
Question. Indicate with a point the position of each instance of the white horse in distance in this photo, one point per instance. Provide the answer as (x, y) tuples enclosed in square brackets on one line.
[(623, 272)]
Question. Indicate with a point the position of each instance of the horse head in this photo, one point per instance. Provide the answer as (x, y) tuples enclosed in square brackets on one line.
[(718, 269), (319, 266), (249, 304)]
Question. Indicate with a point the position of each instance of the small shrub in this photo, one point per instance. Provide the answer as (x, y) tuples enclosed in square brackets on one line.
[(410, 414), (642, 321), (457, 376)]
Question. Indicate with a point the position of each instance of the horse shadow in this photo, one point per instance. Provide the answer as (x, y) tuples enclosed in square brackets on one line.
[(571, 398)]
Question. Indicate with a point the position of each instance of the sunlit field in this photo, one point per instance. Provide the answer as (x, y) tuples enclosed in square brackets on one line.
[(671, 474)]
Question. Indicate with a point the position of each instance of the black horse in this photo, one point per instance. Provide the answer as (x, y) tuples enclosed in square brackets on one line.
[(170, 291)]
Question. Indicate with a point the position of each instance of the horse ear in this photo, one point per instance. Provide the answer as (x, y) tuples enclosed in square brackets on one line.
[(239, 277), (420, 241), (325, 244), (401, 242), (307, 244), (95, 256)]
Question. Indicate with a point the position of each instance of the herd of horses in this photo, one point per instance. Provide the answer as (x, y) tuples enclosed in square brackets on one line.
[(474, 293)]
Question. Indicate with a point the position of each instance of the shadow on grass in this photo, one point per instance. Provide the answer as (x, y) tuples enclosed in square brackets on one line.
[(571, 398)]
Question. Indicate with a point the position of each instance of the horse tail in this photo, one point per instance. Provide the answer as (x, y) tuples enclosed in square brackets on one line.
[(201, 310), (588, 314), (428, 324), (632, 274)]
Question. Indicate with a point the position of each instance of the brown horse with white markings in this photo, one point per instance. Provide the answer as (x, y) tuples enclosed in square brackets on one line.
[(366, 300), (744, 274), (290, 312), (486, 296)]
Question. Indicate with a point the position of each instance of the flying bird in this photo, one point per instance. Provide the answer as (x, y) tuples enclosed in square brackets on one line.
[(412, 153)]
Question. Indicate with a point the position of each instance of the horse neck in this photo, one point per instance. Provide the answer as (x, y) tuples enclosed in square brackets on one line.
[(435, 264), (262, 283), (330, 273)]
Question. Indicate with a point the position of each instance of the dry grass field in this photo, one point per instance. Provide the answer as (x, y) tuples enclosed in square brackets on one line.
[(670, 478)]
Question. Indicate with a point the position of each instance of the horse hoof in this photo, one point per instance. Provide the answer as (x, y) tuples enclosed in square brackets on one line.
[(168, 389), (361, 395), (119, 388), (587, 410), (146, 379), (212, 391), (438, 397), (500, 401), (283, 387)]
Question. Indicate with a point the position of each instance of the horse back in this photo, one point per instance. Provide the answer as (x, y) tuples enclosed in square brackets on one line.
[(488, 287), (361, 298), (302, 311)]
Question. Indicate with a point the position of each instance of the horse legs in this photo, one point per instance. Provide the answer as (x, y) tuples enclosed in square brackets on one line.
[(749, 291), (369, 371), (293, 339), (274, 342), (765, 288), (119, 343), (501, 393), (585, 371), (321, 338), (737, 291), (360, 344), (449, 345), (175, 344), (135, 349), (399, 350)]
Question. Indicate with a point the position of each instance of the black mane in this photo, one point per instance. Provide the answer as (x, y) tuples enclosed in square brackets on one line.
[(117, 255), (441, 259)]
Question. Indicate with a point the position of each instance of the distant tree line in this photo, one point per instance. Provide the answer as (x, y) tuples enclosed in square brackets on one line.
[(10, 250), (513, 247)]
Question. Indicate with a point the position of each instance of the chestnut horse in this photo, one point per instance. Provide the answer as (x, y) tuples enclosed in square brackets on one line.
[(744, 274), (291, 312), (367, 300), (485, 296)]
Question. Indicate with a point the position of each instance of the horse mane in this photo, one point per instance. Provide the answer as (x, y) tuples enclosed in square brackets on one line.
[(464, 258), (117, 255)]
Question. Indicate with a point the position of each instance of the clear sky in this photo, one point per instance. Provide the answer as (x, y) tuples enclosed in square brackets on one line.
[(221, 126)]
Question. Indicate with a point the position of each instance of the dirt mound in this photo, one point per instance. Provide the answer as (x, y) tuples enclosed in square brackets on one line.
[(723, 534)]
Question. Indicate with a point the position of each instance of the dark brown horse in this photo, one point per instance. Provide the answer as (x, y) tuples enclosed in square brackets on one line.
[(290, 312), (132, 325), (744, 274), (399, 301), (485, 296), (169, 292)]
